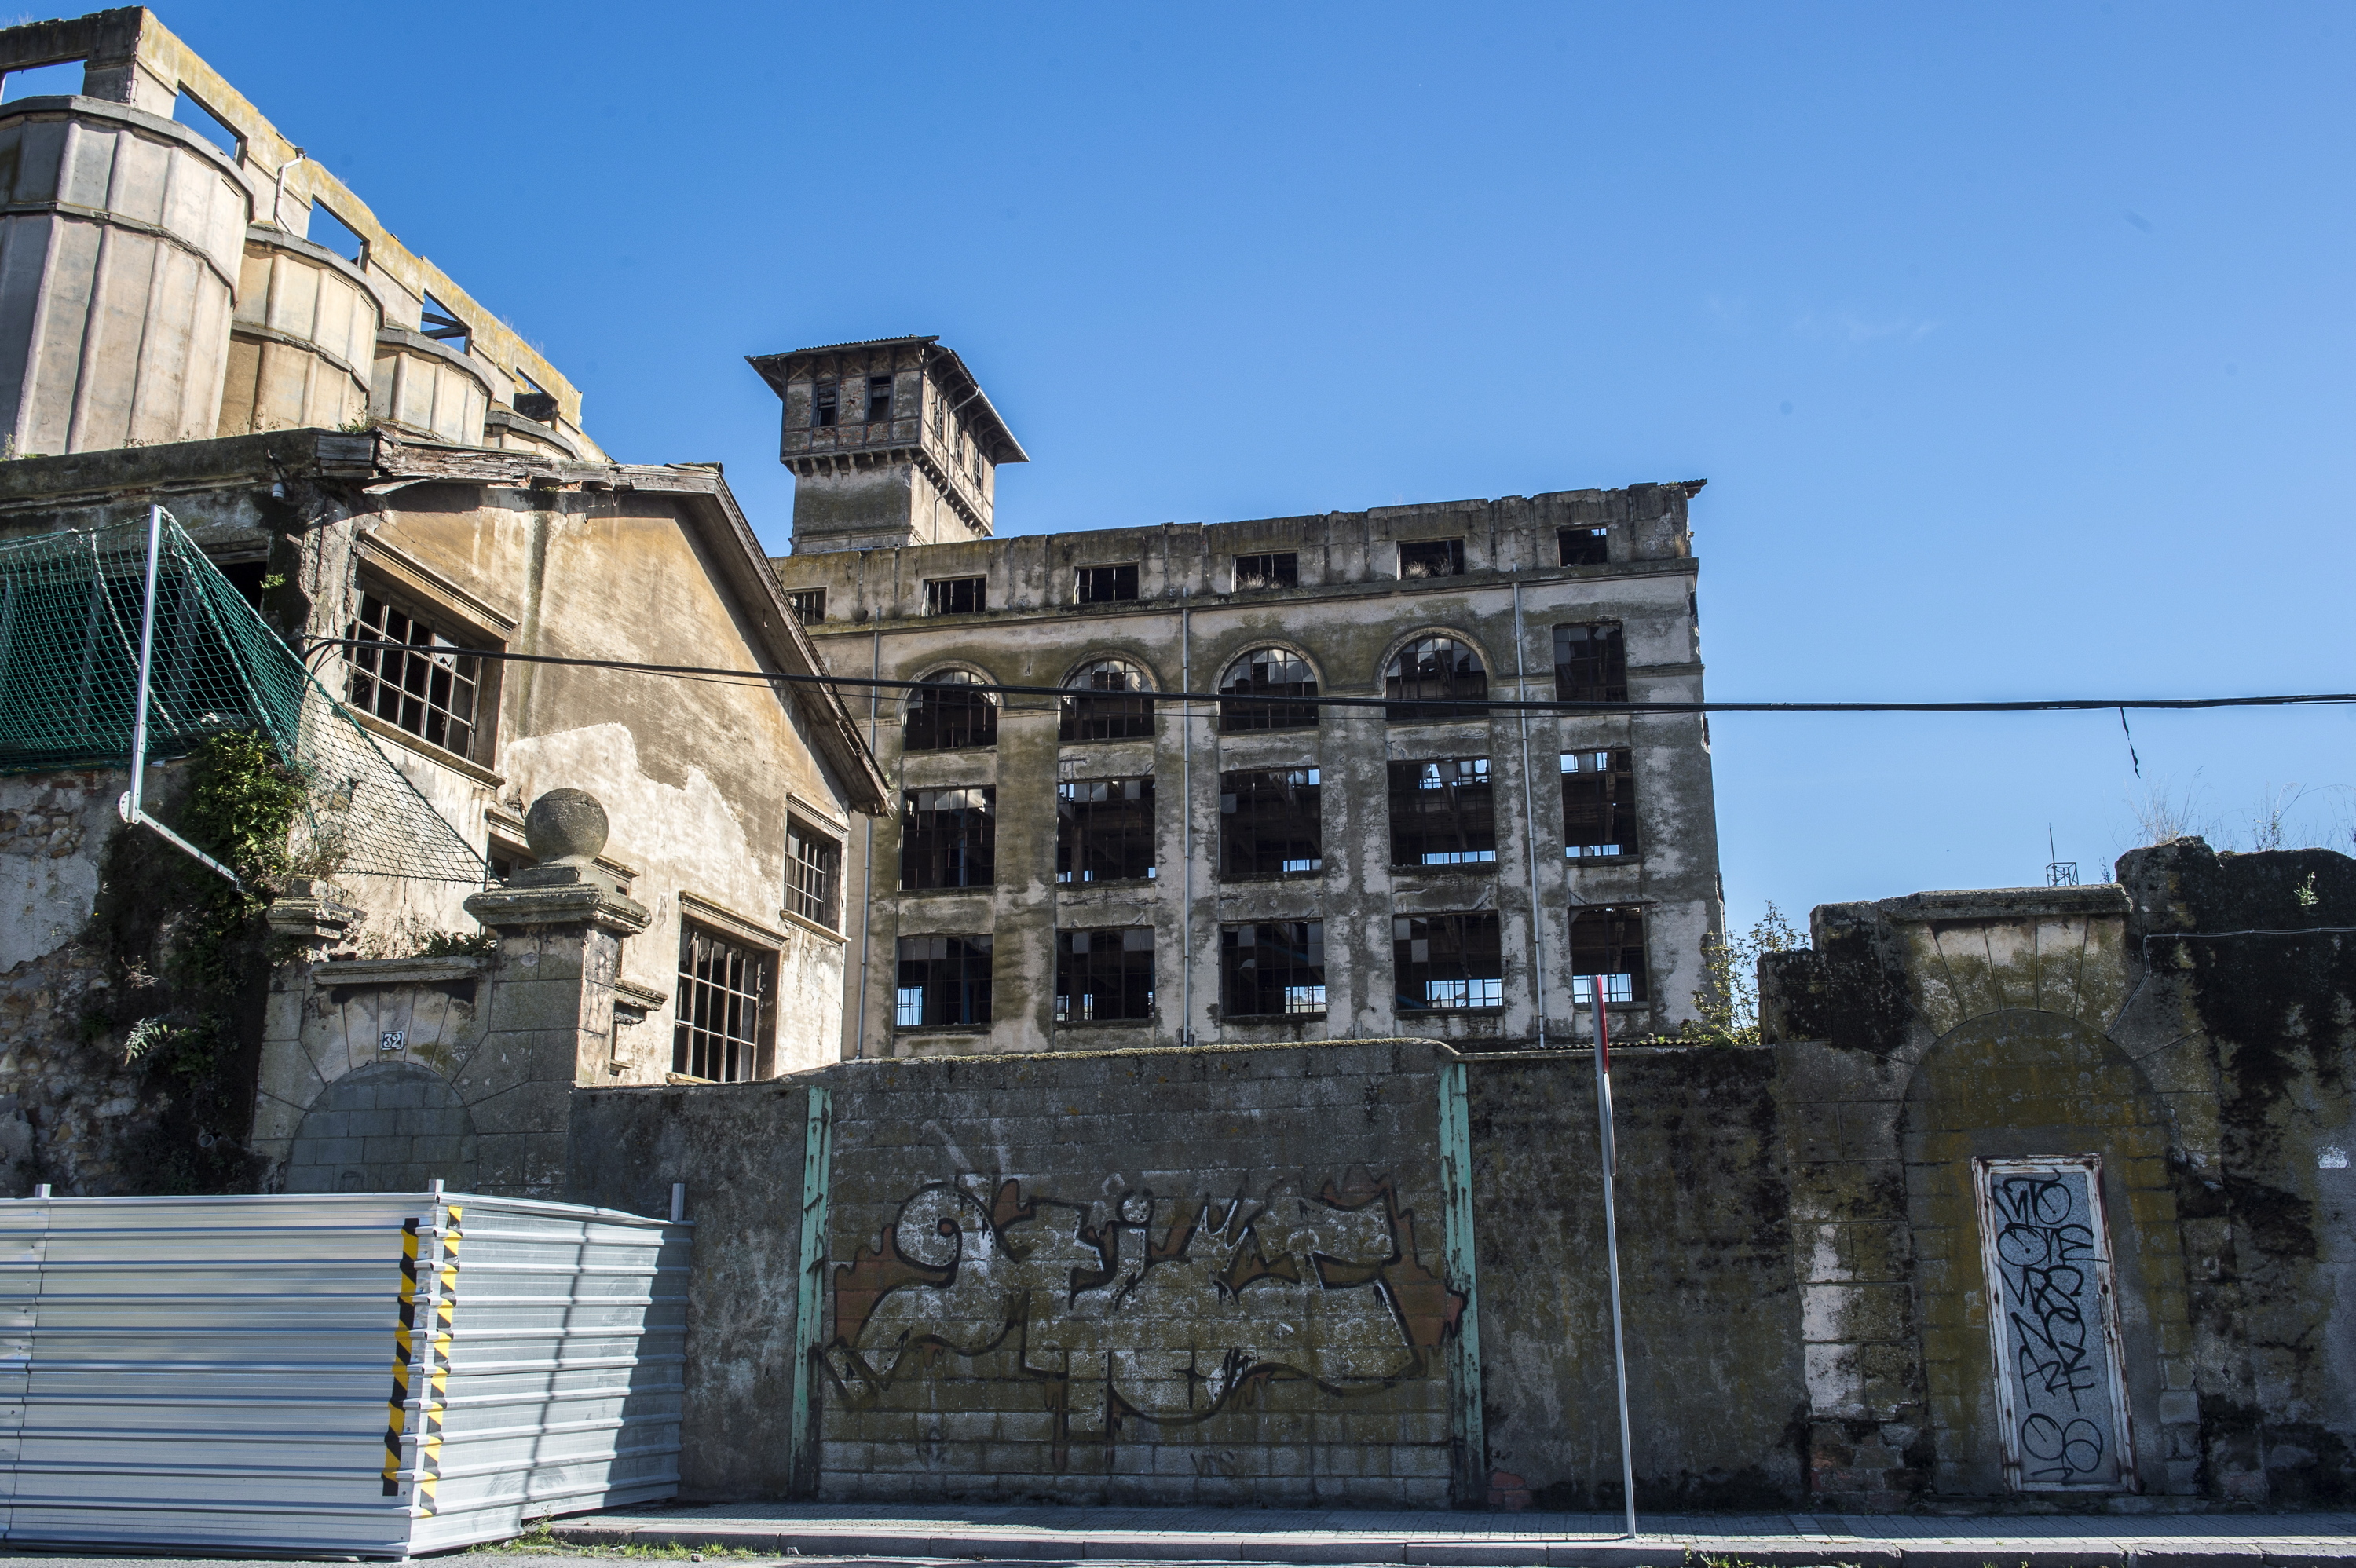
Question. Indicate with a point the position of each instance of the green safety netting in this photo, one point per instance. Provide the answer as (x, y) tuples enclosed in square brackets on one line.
[(71, 605)]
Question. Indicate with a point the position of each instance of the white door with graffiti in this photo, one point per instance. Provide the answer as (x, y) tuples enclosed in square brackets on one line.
[(2053, 1317)]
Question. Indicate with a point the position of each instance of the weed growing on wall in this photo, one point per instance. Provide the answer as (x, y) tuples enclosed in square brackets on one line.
[(1728, 1002)]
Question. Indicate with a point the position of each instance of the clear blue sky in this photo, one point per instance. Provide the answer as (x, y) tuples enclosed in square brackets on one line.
[(2015, 341)]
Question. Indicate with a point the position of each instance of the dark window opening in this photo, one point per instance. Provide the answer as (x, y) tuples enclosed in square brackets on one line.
[(1443, 813), (1254, 572), (1103, 830), (1599, 803), (1585, 546), (809, 605), (1109, 702), (402, 672), (1276, 969), (246, 577), (947, 712), (190, 111), (440, 323), (333, 232), (826, 405), (723, 996), (1103, 585), (949, 837), (64, 79), (506, 860), (813, 874), (943, 982), (1271, 824), (957, 596), (1436, 678), (1104, 974), (1590, 664), (1607, 945), (1444, 961), (1431, 558), (879, 399), (1256, 677)]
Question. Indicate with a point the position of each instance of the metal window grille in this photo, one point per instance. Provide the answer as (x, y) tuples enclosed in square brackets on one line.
[(826, 405), (1270, 823), (949, 837), (957, 596), (1103, 830), (1607, 947), (1584, 547), (1431, 558), (723, 1000), (1446, 961), (1591, 663), (1105, 584), (942, 982), (1599, 803), (402, 672), (946, 713), (1275, 969), (879, 399), (1101, 975), (1280, 570), (1443, 813), (440, 323), (1440, 676), (1110, 701), (1262, 674), (813, 874), (809, 605)]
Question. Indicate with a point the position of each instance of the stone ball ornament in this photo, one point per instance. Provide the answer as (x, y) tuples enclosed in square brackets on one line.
[(565, 827)]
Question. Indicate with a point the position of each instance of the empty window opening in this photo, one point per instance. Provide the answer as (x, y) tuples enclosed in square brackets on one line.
[(331, 231), (1103, 830), (1109, 702), (440, 323), (1271, 824), (809, 605), (1104, 974), (1431, 558), (1607, 947), (956, 595), (1275, 969), (879, 399), (506, 860), (1436, 678), (813, 874), (826, 405), (1585, 546), (943, 982), (63, 80), (1259, 571), (723, 1009), (1105, 584), (188, 110), (940, 416), (1253, 685), (1591, 663), (405, 672), (1599, 803), (948, 712), (1445, 961), (1443, 813), (949, 837)]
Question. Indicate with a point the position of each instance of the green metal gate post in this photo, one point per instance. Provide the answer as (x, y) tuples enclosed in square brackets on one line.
[(809, 1297), (1467, 1430)]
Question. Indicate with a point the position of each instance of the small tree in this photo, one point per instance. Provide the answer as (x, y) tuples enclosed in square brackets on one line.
[(1729, 998)]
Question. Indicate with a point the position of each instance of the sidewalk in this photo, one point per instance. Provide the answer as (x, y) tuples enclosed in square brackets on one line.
[(1480, 1540)]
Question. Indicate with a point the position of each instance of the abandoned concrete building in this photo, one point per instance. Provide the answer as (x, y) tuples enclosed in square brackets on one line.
[(1114, 867)]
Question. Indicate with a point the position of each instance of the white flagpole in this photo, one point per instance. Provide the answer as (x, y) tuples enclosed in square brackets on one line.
[(1611, 1239)]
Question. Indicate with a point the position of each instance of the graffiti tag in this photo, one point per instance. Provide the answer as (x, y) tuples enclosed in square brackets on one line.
[(2048, 1263)]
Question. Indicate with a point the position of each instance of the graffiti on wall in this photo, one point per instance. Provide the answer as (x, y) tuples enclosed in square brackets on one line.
[(1139, 1307), (2058, 1392)]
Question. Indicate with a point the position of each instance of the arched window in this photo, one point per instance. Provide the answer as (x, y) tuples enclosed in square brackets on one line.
[(1264, 673), (1109, 702), (1436, 678), (947, 712)]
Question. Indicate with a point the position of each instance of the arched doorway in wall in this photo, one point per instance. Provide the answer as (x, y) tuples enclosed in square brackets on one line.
[(390, 1127)]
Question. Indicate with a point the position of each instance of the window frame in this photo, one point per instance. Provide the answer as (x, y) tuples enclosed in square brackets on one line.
[(799, 599), (980, 949), (1472, 935), (1098, 708), (974, 847), (1085, 577), (1432, 709), (1447, 778), (1583, 546), (687, 1052), (936, 589), (1288, 782), (1073, 836), (1312, 960), (1083, 943), (1570, 685), (889, 397), (445, 623), (1615, 798), (1289, 575), (1452, 558), (936, 706), (801, 870), (1259, 711), (826, 404), (1614, 919)]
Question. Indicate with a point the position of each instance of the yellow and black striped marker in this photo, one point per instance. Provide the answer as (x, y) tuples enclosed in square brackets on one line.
[(435, 1391)]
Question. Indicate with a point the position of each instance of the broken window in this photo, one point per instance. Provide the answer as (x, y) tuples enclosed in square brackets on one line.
[(440, 323), (1271, 824), (1274, 969), (813, 873), (1443, 813), (1107, 703), (1279, 570), (949, 711), (1599, 803), (942, 982), (507, 859), (1584, 547), (190, 109), (879, 399), (1259, 676), (1431, 558), (826, 405), (1440, 961), (333, 232), (1436, 678), (949, 837), (1606, 944), (1103, 830), (1104, 974), (809, 605), (723, 998), (1591, 663), (1103, 585), (407, 674), (63, 80), (956, 595)]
